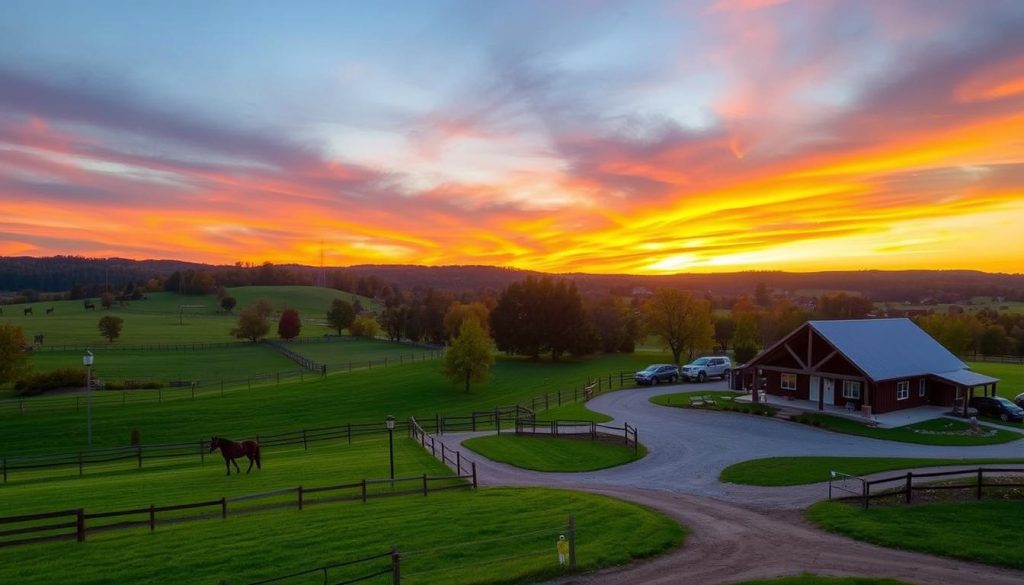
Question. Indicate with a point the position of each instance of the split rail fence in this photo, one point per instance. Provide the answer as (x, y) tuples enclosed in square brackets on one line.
[(74, 522), (908, 483)]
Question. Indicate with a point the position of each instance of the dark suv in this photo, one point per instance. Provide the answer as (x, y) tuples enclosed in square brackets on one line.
[(997, 407), (657, 373)]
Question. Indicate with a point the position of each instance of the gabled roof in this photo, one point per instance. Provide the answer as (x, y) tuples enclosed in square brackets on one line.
[(885, 349)]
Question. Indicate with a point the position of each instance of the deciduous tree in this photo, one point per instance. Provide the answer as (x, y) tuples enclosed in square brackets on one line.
[(252, 325), (228, 303), (110, 327), (459, 312), (106, 300), (682, 321), (470, 357), (14, 363), (340, 315), (289, 325), (364, 326)]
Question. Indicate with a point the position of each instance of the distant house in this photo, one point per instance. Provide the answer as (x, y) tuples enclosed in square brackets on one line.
[(873, 365)]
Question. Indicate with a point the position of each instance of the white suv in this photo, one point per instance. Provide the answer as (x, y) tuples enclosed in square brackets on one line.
[(702, 368)]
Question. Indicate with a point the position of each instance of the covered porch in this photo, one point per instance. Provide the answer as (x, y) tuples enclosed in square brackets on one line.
[(886, 420), (967, 383)]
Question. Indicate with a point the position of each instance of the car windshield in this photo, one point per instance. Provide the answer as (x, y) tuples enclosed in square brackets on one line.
[(1005, 402), (653, 368), (700, 362)]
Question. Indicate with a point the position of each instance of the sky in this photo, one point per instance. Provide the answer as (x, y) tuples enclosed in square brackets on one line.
[(562, 136)]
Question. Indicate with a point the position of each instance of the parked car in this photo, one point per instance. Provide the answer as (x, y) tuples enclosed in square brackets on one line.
[(657, 373), (1019, 400), (997, 407), (703, 368)]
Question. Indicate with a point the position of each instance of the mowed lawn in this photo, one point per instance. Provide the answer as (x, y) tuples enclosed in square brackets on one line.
[(780, 471), (162, 482), (361, 396), (554, 454), (492, 536), (907, 433), (346, 353), (1011, 376), (985, 532)]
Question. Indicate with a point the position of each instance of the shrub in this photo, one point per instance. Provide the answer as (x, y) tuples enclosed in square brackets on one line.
[(59, 378), (132, 385)]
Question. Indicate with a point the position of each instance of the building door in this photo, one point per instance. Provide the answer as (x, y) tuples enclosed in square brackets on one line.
[(829, 388), (814, 389)]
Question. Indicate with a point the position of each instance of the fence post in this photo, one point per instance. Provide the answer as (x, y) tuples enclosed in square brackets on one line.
[(396, 575), (364, 491), (300, 497), (305, 447), (559, 398), (593, 431), (223, 507), (473, 416), (79, 463), (442, 451), (424, 484), (980, 472), (866, 490), (572, 542), (458, 462), (152, 518), (349, 433), (909, 487), (497, 421), (474, 474), (433, 448), (636, 442), (437, 423), (80, 525)]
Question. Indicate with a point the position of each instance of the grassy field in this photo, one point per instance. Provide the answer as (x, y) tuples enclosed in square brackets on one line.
[(120, 485), (345, 352), (907, 435), (985, 532), (156, 319), (367, 395), (553, 454), (488, 536), (808, 579), (779, 471)]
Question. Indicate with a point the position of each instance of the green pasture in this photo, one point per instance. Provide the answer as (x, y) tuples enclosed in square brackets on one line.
[(573, 411), (162, 482), (491, 536), (217, 363), (808, 579), (348, 352), (159, 318), (554, 454), (361, 396), (781, 471), (985, 532), (906, 434)]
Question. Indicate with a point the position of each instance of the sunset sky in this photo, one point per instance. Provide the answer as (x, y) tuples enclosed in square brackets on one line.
[(639, 137)]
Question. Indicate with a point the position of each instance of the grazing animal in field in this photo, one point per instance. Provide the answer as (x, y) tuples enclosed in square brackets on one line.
[(49, 311), (38, 339), (88, 305), (232, 450), (28, 311)]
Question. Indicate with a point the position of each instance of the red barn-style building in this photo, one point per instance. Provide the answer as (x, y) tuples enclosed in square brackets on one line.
[(873, 365)]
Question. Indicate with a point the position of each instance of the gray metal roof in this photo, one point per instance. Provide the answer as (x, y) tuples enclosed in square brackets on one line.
[(966, 378), (885, 349)]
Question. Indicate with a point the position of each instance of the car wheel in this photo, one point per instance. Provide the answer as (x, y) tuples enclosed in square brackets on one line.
[(725, 374), (1003, 417), (673, 379), (654, 381), (701, 377)]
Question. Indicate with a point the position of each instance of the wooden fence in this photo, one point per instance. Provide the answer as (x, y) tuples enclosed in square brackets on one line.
[(78, 527), (975, 480), (196, 449), (447, 455), (579, 428), (1002, 359), (305, 362)]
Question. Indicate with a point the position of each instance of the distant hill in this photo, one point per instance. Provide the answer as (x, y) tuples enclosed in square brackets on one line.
[(60, 273)]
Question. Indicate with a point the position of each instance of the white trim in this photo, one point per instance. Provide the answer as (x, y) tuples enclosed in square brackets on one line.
[(903, 390), (782, 381), (851, 390), (922, 388)]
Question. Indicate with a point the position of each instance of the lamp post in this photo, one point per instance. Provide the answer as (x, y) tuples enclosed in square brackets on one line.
[(87, 362), (390, 422)]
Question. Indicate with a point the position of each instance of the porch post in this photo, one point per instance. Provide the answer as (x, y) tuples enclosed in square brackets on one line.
[(821, 394)]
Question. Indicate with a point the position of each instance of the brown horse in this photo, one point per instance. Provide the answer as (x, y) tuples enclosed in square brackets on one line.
[(231, 450)]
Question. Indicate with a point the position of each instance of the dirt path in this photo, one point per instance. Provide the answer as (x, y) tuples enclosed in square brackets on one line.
[(729, 543)]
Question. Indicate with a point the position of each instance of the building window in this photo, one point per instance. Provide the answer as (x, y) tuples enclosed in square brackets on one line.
[(922, 387), (851, 389), (789, 381), (903, 390)]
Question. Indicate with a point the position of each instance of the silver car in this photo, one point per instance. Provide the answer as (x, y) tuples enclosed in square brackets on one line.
[(703, 368)]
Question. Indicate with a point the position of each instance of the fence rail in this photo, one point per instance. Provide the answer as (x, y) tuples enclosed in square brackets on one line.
[(393, 568), (30, 523), (579, 428), (1002, 359), (447, 455), (908, 486)]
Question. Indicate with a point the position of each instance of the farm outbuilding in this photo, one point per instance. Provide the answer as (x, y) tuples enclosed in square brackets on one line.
[(871, 365)]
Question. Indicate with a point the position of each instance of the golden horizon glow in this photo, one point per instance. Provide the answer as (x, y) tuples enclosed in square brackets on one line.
[(773, 146)]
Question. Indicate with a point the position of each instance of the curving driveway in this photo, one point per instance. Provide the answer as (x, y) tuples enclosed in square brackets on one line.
[(741, 532)]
